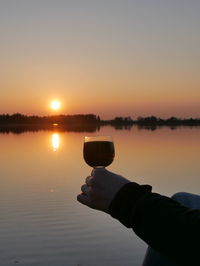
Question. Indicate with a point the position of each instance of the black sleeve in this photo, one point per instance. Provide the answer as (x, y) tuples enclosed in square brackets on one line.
[(164, 224)]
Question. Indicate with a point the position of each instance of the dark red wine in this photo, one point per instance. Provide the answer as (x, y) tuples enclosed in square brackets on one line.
[(98, 153)]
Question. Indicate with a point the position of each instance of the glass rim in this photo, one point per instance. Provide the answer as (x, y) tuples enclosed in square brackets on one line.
[(98, 138)]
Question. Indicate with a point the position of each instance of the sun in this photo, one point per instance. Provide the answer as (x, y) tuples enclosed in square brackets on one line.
[(55, 105)]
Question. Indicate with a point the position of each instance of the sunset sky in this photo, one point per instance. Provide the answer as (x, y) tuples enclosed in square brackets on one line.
[(107, 57)]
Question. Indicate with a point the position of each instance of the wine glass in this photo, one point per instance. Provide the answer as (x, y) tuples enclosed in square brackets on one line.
[(98, 151)]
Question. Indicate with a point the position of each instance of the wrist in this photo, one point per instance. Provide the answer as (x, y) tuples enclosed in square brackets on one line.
[(122, 205)]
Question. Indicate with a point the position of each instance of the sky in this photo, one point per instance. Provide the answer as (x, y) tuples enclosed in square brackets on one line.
[(107, 57)]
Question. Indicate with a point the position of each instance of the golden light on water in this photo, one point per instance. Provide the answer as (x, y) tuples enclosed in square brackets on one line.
[(55, 105), (55, 140)]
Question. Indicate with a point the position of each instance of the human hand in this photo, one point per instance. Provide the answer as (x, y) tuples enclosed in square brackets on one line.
[(100, 189)]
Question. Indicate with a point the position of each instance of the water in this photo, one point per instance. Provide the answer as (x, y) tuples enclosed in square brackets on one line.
[(41, 223)]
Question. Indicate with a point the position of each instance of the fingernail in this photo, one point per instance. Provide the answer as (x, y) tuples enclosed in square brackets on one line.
[(92, 173)]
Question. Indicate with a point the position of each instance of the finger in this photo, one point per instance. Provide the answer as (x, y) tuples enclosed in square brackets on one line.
[(88, 180), (82, 198), (85, 189)]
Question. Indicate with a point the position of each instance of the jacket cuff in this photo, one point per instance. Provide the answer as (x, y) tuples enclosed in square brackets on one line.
[(123, 204)]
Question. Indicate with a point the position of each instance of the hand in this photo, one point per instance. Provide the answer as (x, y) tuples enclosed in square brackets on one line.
[(100, 189)]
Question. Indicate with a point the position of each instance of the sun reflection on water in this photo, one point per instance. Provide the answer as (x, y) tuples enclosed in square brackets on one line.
[(55, 141)]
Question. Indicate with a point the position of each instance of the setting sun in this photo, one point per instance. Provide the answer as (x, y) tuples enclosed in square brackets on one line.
[(55, 105)]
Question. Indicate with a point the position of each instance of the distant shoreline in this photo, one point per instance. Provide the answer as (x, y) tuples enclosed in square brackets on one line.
[(84, 119), (90, 123), (19, 123)]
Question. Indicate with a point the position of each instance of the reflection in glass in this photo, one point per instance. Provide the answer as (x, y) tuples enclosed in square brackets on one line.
[(55, 141)]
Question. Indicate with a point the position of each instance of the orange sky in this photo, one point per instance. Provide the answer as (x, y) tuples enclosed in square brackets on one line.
[(110, 58)]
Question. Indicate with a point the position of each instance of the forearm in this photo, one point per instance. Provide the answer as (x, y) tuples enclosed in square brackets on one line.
[(160, 221)]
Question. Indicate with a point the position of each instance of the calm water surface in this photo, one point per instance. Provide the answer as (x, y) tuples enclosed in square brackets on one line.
[(41, 223)]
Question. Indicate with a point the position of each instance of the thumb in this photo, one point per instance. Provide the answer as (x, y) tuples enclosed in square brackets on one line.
[(98, 171)]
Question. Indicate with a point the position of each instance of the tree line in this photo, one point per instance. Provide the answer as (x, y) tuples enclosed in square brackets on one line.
[(92, 119), (154, 121), (18, 118)]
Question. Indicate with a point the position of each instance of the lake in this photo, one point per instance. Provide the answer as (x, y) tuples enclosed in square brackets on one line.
[(41, 223)]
